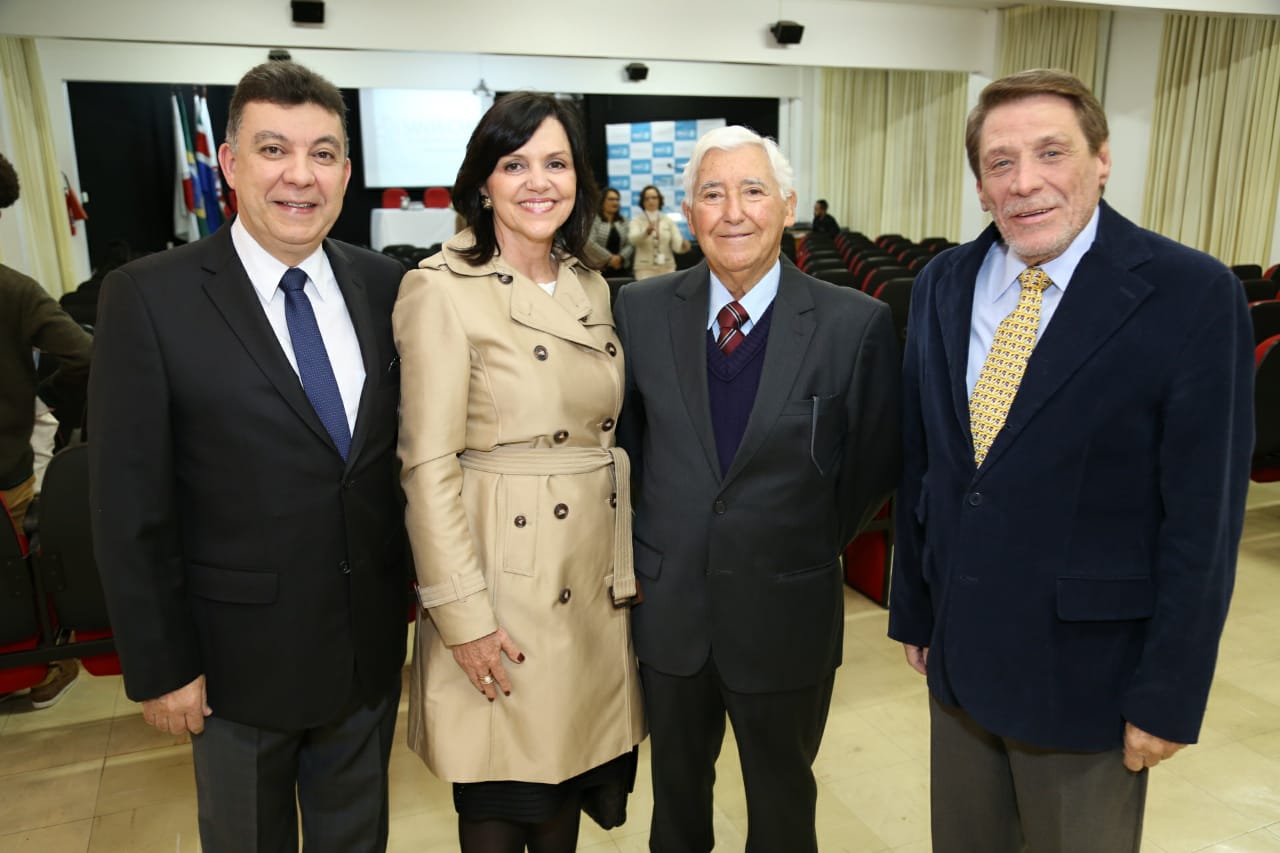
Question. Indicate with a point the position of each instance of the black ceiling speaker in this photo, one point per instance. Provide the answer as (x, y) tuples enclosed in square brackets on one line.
[(787, 32), (308, 11), (278, 54), (637, 71)]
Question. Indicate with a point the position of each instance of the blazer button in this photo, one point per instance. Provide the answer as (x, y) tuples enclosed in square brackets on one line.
[(345, 567), (562, 511), (520, 521), (613, 500), (975, 499), (504, 278), (719, 507), (606, 424), (561, 436), (565, 595), (540, 352), (611, 349)]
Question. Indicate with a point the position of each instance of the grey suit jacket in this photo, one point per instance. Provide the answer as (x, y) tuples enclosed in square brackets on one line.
[(745, 567)]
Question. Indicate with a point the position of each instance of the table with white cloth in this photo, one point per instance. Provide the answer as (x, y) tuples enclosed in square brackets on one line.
[(390, 226)]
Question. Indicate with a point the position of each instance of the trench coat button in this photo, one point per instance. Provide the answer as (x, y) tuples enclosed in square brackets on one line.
[(562, 511), (561, 436), (606, 424), (719, 507), (504, 278), (611, 349), (565, 595), (540, 352), (975, 499), (345, 567), (520, 521), (613, 500)]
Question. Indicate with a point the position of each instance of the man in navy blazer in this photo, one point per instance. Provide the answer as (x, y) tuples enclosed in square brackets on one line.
[(1065, 597), (252, 549), (760, 439)]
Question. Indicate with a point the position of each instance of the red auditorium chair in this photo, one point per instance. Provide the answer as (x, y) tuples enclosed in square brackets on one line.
[(1266, 411), (869, 557), (437, 197), (394, 197)]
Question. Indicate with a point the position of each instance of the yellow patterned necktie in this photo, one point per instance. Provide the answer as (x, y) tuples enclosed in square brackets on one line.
[(1001, 374)]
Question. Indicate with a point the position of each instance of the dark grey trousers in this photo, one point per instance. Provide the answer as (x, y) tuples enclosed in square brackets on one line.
[(996, 795), (248, 781), (778, 735)]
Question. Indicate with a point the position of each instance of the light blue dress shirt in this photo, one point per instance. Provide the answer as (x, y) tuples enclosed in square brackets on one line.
[(997, 292), (756, 301)]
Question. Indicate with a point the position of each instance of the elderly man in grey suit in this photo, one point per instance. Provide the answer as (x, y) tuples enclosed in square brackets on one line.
[(762, 417)]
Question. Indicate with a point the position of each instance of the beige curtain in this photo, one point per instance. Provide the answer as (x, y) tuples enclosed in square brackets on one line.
[(891, 150), (1074, 40), (1214, 168), (36, 162)]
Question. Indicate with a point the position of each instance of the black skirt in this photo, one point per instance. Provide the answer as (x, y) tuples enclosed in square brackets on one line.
[(539, 802)]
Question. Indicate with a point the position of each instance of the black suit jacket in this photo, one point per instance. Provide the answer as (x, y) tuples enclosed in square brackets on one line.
[(1080, 578), (232, 538), (745, 567)]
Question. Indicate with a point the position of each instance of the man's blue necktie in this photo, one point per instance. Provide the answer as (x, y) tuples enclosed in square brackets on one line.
[(313, 360)]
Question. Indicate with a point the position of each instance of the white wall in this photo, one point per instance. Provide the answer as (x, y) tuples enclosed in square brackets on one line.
[(837, 33)]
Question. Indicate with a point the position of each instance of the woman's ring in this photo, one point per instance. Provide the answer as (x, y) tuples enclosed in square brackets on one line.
[(486, 679)]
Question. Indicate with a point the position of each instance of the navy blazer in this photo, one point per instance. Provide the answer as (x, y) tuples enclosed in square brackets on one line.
[(745, 567), (232, 538), (1080, 578)]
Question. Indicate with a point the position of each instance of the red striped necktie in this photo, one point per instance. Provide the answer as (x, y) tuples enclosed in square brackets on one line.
[(730, 320)]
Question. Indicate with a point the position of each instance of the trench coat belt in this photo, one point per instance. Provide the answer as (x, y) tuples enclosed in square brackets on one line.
[(526, 461)]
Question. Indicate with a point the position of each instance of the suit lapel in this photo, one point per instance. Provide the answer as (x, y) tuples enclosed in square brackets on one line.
[(689, 346), (232, 293), (353, 293), (953, 300), (1101, 297), (790, 332)]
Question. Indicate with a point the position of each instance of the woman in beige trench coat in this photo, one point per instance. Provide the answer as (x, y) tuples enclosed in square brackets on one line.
[(524, 689)]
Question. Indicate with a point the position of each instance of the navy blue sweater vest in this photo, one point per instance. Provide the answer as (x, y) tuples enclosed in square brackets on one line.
[(732, 381)]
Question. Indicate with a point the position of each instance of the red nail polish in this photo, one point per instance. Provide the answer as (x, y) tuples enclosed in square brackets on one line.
[(520, 658)]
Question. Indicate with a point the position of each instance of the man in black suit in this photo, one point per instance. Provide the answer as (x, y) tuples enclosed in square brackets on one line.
[(247, 515), (823, 222), (761, 414)]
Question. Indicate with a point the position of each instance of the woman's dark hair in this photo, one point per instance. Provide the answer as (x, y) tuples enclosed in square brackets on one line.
[(662, 201), (604, 194), (508, 125)]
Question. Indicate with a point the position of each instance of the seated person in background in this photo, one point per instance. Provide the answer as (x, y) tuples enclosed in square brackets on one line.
[(82, 303), (656, 237), (609, 248), (823, 222)]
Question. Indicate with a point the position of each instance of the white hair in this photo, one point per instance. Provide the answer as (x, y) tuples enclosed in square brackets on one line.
[(729, 138)]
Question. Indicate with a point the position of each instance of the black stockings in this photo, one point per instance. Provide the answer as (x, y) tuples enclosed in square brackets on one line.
[(557, 835)]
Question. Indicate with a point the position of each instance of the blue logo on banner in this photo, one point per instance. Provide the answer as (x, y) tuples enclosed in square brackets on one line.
[(686, 130), (664, 182), (642, 167), (620, 182), (641, 132), (664, 149), (620, 151), (681, 162), (679, 197)]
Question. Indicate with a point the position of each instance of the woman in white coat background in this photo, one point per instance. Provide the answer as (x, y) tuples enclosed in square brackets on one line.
[(524, 689), (656, 237)]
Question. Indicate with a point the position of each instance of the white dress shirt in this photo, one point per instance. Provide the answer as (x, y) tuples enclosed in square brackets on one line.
[(336, 330)]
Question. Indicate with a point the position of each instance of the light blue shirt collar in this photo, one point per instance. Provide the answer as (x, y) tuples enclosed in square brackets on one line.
[(756, 301), (1060, 269), (265, 271)]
